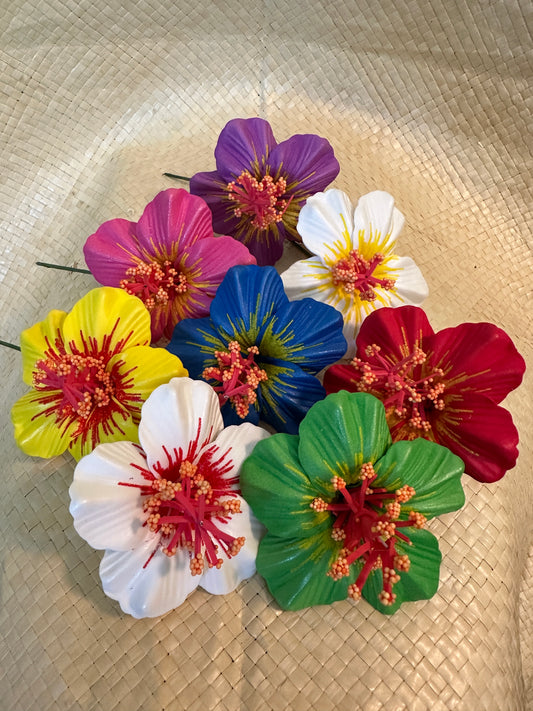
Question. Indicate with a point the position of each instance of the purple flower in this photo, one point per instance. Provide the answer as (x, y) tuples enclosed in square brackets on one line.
[(260, 186), (170, 259)]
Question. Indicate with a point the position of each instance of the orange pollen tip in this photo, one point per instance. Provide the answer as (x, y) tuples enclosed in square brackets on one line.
[(259, 199), (418, 519), (155, 284), (354, 273), (338, 483), (367, 471), (239, 377), (318, 504)]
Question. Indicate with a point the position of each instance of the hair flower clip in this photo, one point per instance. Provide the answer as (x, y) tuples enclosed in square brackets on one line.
[(345, 508), (259, 186), (259, 351), (355, 268), (169, 512), (443, 386), (170, 259), (90, 371)]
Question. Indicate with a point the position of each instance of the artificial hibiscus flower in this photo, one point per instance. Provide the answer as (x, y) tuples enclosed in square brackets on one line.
[(168, 513), (90, 371), (355, 268), (443, 386), (345, 509), (170, 259), (259, 186), (260, 351)]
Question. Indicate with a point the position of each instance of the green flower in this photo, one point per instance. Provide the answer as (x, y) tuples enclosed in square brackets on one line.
[(345, 508)]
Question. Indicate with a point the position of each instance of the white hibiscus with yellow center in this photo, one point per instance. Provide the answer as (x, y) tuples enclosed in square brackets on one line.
[(354, 268)]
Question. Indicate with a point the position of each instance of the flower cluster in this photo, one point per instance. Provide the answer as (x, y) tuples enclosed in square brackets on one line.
[(310, 423)]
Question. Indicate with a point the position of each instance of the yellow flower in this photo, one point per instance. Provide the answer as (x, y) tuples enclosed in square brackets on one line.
[(90, 372)]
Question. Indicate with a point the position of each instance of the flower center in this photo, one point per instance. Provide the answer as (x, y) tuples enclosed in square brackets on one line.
[(355, 273), (187, 508), (155, 284), (258, 199), (83, 381), (366, 524), (83, 389), (239, 377), (406, 390)]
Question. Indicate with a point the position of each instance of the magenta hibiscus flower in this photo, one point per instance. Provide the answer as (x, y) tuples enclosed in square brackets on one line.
[(259, 186), (442, 386), (170, 259)]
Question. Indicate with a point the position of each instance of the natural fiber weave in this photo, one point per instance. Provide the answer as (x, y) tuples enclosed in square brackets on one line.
[(425, 99)]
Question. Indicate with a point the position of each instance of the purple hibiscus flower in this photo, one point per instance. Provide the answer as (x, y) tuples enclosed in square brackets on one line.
[(170, 259), (260, 186)]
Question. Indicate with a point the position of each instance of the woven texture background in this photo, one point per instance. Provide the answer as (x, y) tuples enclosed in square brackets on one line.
[(425, 99)]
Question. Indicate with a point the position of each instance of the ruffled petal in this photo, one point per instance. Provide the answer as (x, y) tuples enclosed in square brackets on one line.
[(241, 566), (213, 189), (433, 472), (243, 144), (325, 224), (35, 341), (420, 582), (172, 222), (377, 224), (307, 162), (410, 287), (112, 250), (477, 357), (480, 432), (105, 500), (178, 420), (309, 278), (147, 586), (195, 341), (340, 434), (110, 315)]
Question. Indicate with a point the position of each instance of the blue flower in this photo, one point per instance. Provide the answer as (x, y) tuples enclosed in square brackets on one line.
[(260, 351)]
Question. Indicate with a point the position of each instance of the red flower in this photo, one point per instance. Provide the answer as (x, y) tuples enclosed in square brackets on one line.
[(443, 386)]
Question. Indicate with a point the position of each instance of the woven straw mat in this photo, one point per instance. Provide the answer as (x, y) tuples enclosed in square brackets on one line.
[(423, 98)]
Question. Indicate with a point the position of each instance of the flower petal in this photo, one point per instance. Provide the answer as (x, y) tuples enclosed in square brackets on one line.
[(279, 490), (308, 278), (111, 250), (110, 315), (179, 419), (147, 586), (422, 579), (396, 330), (410, 287), (243, 144), (305, 332), (172, 222), (36, 433), (307, 162), (246, 301), (325, 224), (341, 433), (35, 341), (195, 341), (477, 357), (295, 570), (481, 433), (377, 223), (237, 442), (287, 395), (241, 566), (213, 190), (433, 472), (105, 497)]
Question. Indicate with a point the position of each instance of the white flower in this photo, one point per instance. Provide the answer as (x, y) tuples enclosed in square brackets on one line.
[(355, 268), (168, 512)]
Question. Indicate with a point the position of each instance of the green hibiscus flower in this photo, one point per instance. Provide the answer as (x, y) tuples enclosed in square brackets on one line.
[(345, 508)]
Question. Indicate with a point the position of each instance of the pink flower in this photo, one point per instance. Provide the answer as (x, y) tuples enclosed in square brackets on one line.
[(170, 258)]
